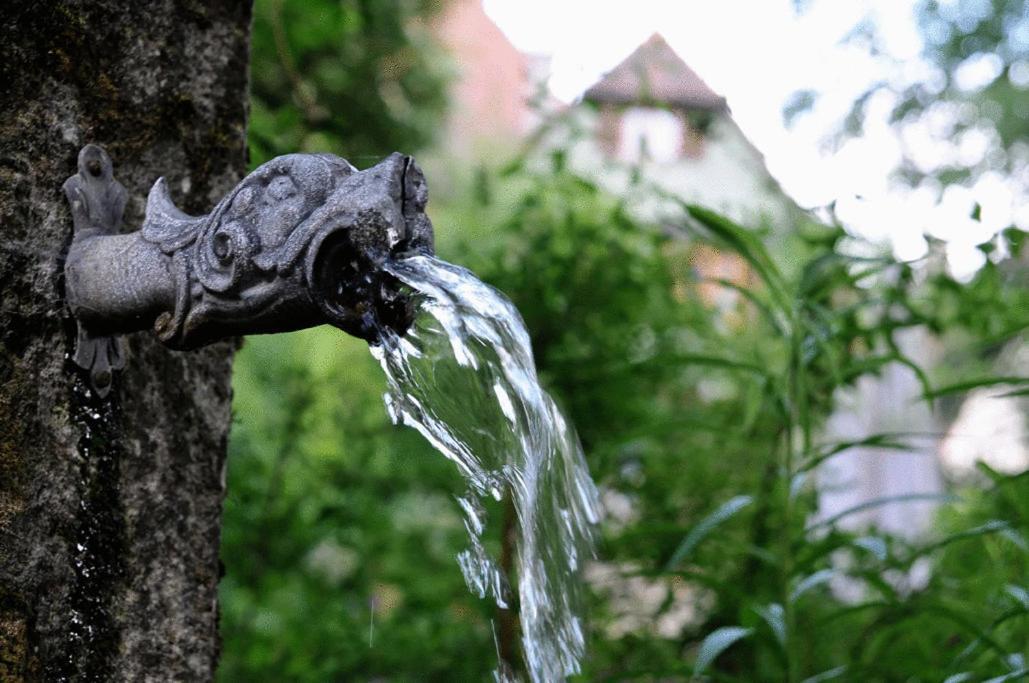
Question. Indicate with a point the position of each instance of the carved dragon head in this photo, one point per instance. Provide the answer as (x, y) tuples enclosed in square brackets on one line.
[(300, 241)]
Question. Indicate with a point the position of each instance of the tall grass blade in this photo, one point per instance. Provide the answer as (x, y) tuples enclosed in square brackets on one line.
[(873, 544), (716, 643), (809, 582), (743, 243), (705, 527), (879, 502), (991, 527), (885, 441), (827, 675), (762, 306), (775, 616), (1013, 676), (1020, 594), (725, 363), (963, 387), (959, 678)]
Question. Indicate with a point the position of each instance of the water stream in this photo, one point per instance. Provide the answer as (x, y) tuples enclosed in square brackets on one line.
[(464, 377)]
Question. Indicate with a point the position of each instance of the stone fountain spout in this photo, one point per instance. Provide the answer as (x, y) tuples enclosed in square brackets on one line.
[(299, 242)]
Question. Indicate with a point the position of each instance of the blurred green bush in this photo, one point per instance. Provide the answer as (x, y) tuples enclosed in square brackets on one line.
[(358, 78), (701, 425), (340, 529), (700, 404)]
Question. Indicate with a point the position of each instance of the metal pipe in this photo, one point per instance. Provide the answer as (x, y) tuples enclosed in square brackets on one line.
[(299, 242)]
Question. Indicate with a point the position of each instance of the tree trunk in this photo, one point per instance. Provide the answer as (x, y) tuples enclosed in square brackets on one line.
[(110, 509)]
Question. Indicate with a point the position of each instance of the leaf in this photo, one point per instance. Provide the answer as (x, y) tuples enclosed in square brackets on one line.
[(962, 620), (866, 365), (827, 675), (818, 274), (1013, 676), (887, 590), (750, 295), (716, 643), (874, 545), (959, 678), (1020, 594), (718, 362), (743, 243), (775, 616), (923, 379), (705, 526), (797, 484), (962, 387), (816, 579), (885, 440), (854, 609), (1016, 538), (879, 502), (996, 477), (991, 527)]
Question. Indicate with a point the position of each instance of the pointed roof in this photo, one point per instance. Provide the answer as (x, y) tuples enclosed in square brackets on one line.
[(653, 73)]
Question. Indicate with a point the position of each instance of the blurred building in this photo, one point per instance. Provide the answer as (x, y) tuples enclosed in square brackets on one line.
[(650, 114), (653, 105), (654, 115), (894, 489), (492, 81)]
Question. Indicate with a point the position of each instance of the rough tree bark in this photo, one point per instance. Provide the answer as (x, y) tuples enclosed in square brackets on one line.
[(110, 510)]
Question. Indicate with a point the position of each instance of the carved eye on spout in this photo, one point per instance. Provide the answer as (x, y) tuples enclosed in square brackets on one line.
[(224, 254), (222, 246)]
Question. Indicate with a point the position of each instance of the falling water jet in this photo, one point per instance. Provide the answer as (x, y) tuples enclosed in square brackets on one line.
[(463, 376)]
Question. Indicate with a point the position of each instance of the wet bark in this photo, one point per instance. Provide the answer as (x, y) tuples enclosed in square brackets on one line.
[(110, 509)]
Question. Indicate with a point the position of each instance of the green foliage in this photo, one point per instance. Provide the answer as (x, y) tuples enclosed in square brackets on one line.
[(707, 419), (340, 529), (700, 404), (358, 78), (990, 34)]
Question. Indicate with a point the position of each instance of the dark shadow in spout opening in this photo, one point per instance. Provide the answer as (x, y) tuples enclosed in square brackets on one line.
[(356, 293)]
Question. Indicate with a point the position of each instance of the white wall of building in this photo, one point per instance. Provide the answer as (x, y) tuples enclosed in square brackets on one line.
[(728, 175)]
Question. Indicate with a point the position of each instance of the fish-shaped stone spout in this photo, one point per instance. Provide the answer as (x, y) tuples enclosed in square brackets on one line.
[(299, 242)]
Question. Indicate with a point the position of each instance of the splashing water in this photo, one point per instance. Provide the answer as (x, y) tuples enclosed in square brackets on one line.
[(464, 377)]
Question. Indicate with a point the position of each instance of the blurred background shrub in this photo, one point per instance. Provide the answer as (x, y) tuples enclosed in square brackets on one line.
[(361, 76), (702, 402)]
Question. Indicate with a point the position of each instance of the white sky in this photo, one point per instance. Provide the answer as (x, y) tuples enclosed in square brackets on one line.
[(757, 53)]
